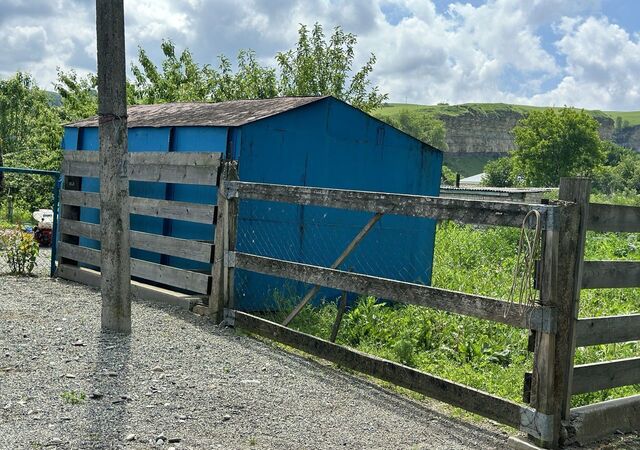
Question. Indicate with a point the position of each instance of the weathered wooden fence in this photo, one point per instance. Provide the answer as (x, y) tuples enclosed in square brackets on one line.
[(598, 420), (153, 280), (553, 320)]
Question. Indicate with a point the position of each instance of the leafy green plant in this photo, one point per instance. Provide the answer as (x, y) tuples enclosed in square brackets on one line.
[(73, 397), (478, 353), (20, 250)]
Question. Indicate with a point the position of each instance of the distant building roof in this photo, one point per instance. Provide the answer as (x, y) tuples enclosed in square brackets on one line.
[(224, 114), (506, 190), (473, 179)]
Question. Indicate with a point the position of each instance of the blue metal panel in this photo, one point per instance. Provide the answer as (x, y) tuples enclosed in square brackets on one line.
[(331, 144), (328, 144), (194, 139)]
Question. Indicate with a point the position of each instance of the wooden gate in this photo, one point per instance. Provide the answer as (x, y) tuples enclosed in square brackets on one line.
[(552, 321), (151, 280)]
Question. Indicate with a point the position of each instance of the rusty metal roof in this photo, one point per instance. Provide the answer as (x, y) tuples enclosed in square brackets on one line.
[(224, 114)]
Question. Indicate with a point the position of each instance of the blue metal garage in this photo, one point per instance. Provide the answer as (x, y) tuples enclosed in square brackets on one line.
[(307, 141)]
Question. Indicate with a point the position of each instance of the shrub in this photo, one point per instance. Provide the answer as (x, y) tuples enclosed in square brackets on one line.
[(19, 250)]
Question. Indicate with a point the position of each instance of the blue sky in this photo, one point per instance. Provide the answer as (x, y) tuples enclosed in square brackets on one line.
[(583, 53)]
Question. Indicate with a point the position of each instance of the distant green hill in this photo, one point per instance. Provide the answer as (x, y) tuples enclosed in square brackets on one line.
[(54, 98), (389, 109), (477, 133)]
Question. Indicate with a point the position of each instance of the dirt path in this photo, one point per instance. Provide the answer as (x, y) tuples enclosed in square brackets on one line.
[(179, 378)]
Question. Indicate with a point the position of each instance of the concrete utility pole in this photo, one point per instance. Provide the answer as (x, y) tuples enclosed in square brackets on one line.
[(114, 181)]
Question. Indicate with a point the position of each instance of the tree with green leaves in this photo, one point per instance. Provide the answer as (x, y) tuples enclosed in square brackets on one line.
[(419, 125), (551, 144), (620, 172), (316, 66), (30, 135), (320, 67), (79, 95), (500, 172), (448, 176)]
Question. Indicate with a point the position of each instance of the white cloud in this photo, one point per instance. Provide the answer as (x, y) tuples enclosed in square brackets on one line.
[(499, 51), (603, 61)]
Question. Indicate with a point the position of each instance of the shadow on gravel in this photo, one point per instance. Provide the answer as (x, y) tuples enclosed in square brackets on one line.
[(107, 408), (386, 398)]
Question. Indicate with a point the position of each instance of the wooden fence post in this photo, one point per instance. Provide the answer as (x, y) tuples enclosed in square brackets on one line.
[(114, 180), (225, 239), (563, 253)]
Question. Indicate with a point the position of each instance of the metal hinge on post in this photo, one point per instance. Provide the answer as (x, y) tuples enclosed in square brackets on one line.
[(229, 259), (230, 189), (544, 319), (536, 424)]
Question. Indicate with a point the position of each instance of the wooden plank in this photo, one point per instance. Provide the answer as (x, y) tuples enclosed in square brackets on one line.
[(217, 296), (470, 399), (345, 253), (202, 175), (208, 159), (221, 285), (163, 167), (166, 245), (158, 157), (607, 330), (170, 276), (78, 198), (466, 211), (542, 387), (605, 375), (573, 237), (81, 168), (614, 218), (78, 228), (191, 212), (601, 420), (611, 274), (456, 302), (139, 290)]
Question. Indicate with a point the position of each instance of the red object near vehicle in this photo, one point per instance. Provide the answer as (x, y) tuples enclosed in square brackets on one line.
[(42, 232), (42, 236)]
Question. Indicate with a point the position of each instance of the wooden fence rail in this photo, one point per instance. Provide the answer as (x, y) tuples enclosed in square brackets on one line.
[(171, 167), (465, 211), (613, 218), (473, 400), (606, 375), (611, 274), (607, 330), (167, 275), (165, 245), (536, 318), (168, 209)]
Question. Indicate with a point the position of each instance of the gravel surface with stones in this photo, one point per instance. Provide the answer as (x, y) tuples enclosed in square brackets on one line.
[(180, 382)]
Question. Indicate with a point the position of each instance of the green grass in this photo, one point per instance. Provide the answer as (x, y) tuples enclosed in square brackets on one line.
[(478, 353), (489, 109), (632, 116), (73, 397)]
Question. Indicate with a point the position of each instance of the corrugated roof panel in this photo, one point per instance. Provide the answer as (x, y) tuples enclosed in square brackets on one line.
[(224, 114)]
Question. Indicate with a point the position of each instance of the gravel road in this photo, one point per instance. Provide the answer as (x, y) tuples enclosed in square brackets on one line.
[(180, 378), (180, 382)]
